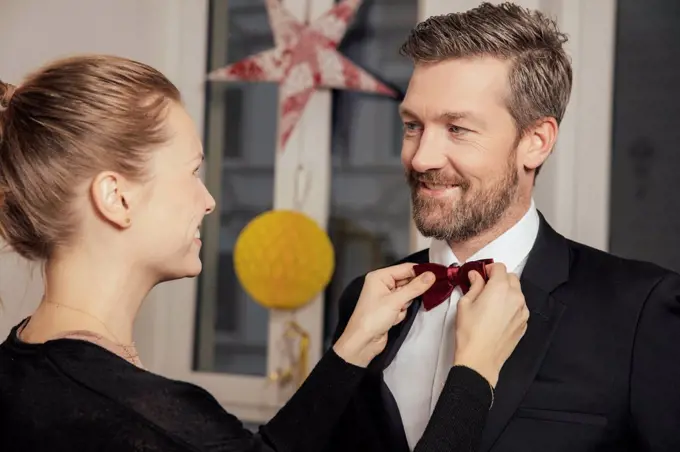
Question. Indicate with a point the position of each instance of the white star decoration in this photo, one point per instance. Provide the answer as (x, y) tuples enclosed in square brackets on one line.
[(304, 58)]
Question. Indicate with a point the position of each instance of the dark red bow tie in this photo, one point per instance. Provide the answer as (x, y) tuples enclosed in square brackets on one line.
[(448, 278)]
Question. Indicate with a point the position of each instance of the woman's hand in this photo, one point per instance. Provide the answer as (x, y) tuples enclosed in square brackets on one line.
[(384, 299), (491, 320)]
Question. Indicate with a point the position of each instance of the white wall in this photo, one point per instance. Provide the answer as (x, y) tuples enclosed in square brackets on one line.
[(156, 32)]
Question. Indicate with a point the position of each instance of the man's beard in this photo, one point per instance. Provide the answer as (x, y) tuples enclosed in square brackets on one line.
[(473, 212)]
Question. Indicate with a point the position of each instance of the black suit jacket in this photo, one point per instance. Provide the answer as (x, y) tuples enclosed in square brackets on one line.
[(597, 370)]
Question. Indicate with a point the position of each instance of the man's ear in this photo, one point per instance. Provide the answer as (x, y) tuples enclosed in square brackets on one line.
[(538, 143), (109, 193)]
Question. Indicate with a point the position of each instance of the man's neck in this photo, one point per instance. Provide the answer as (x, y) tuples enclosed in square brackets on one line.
[(464, 250)]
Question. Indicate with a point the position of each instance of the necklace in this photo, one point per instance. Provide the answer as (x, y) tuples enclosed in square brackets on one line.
[(130, 351)]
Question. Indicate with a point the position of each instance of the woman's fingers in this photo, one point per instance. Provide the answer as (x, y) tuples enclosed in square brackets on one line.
[(400, 317), (476, 287), (415, 288), (403, 282), (497, 270), (392, 276)]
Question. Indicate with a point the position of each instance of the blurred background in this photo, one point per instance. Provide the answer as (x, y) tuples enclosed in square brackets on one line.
[(610, 182)]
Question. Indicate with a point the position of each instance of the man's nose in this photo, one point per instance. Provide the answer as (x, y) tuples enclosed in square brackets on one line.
[(430, 155)]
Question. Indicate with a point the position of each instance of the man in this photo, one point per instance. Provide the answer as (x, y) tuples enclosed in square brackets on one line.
[(599, 366)]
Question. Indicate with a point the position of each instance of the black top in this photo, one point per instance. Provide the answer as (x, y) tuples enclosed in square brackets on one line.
[(72, 395)]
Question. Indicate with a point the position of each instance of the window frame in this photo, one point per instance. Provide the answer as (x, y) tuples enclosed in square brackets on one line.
[(583, 152)]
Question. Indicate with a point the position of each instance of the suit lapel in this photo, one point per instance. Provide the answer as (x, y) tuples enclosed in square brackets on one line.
[(398, 333), (396, 434), (395, 426), (547, 267), (520, 370)]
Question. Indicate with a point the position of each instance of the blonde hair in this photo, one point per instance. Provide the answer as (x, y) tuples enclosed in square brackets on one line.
[(64, 124)]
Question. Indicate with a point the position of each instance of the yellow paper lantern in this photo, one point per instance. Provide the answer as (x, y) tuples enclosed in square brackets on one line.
[(283, 259)]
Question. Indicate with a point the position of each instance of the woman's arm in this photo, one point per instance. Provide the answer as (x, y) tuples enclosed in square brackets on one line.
[(305, 423), (460, 414), (182, 417)]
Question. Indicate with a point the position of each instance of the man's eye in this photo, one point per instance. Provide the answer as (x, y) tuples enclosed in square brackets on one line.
[(456, 130), (411, 127)]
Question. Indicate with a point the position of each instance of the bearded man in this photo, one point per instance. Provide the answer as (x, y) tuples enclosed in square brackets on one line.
[(599, 366)]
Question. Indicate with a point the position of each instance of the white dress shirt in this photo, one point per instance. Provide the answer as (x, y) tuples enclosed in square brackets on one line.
[(419, 370)]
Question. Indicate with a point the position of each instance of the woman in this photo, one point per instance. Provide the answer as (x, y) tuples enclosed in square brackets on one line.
[(99, 179)]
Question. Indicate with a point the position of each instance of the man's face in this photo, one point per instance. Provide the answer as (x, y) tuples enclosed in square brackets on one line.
[(460, 147)]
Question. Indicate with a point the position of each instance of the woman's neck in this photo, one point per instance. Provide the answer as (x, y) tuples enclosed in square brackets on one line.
[(84, 292)]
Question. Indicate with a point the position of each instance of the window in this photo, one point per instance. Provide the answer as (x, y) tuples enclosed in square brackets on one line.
[(207, 330), (370, 211), (232, 330)]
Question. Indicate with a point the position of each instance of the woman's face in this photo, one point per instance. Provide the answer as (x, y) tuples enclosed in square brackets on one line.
[(165, 228)]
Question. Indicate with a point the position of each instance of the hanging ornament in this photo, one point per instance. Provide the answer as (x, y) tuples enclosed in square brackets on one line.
[(305, 57), (283, 259)]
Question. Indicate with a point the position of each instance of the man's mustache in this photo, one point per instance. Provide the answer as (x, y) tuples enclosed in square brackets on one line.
[(435, 178)]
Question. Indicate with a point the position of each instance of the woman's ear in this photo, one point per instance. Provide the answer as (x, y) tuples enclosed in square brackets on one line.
[(108, 193)]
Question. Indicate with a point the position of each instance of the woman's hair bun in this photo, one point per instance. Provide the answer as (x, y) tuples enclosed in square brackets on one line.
[(6, 93)]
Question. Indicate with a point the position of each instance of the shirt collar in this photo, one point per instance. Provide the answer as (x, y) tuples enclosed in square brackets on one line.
[(510, 248)]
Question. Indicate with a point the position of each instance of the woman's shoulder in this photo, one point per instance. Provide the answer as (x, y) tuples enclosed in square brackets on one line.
[(74, 385), (167, 402), (86, 378)]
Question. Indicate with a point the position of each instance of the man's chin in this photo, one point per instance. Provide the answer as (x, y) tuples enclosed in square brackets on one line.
[(432, 228)]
